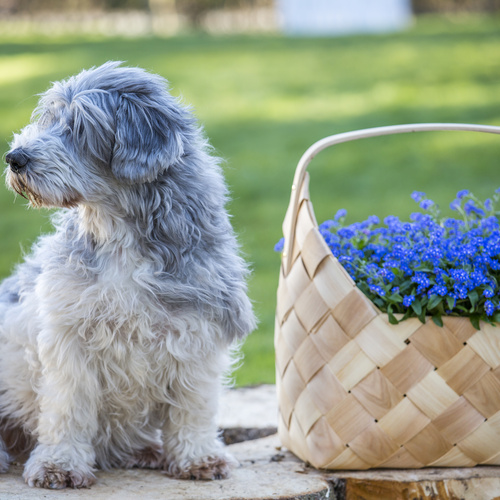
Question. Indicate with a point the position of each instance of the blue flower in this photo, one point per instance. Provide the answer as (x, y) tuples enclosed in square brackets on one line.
[(426, 204), (478, 278), (459, 275), (340, 214), (470, 208), (392, 222), (489, 308), (417, 196), (461, 291), (346, 233), (280, 245), (438, 290), (327, 224), (421, 279), (408, 300), (378, 290), (462, 193)]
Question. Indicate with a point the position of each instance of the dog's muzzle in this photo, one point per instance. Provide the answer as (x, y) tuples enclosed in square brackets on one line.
[(17, 160)]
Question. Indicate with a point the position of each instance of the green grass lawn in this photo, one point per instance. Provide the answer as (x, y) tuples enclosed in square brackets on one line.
[(264, 100)]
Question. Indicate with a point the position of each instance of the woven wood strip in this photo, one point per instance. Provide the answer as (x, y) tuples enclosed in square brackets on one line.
[(329, 338), (377, 394), (486, 344), (463, 370), (459, 420), (484, 395), (407, 369), (356, 392), (395, 422)]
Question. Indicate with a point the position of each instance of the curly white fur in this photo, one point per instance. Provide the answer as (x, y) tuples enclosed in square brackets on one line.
[(116, 332)]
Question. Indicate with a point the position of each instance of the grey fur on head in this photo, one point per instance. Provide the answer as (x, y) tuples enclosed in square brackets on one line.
[(117, 329)]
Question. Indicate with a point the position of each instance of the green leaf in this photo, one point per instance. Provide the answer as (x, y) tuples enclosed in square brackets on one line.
[(397, 271), (403, 287), (424, 269), (417, 307), (474, 319), (474, 297), (395, 297), (434, 301), (450, 302), (392, 318), (437, 319), (407, 315), (422, 317)]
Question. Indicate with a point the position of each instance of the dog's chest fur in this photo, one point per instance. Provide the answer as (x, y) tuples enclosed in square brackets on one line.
[(120, 325)]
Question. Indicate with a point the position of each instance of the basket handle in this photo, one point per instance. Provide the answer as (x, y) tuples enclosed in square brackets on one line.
[(326, 142)]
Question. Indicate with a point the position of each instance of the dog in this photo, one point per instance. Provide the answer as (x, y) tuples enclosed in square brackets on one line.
[(118, 331)]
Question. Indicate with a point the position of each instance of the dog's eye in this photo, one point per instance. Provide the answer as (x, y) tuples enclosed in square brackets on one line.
[(54, 120)]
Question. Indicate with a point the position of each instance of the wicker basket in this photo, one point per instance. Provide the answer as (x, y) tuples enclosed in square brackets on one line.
[(356, 392)]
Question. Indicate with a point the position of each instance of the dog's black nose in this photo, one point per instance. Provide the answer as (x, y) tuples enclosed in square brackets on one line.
[(17, 159)]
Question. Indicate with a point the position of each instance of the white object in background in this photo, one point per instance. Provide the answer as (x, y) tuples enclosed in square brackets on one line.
[(341, 17)]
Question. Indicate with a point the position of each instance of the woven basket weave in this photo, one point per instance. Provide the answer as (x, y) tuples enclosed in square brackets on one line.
[(356, 392)]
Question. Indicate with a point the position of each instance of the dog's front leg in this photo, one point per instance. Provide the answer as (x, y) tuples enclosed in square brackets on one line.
[(68, 395), (193, 449), (4, 457)]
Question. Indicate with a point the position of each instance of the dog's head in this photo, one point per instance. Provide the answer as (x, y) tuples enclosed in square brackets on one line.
[(106, 126)]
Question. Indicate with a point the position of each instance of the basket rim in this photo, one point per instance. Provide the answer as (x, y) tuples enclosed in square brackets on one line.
[(320, 145)]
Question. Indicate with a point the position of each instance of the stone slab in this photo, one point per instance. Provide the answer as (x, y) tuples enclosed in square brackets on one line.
[(248, 413), (249, 407), (264, 473)]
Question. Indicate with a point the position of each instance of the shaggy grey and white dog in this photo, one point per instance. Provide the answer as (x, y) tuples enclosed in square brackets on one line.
[(116, 332)]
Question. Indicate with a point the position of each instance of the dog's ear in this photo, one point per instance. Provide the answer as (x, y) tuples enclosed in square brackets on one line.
[(91, 124), (148, 138)]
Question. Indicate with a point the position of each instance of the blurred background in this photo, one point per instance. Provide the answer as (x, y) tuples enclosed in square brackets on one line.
[(267, 79)]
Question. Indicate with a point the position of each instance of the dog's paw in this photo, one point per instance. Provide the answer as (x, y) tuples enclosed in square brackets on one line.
[(208, 468), (55, 478)]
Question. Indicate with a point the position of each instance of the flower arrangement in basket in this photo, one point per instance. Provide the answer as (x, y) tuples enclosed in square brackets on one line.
[(386, 349), (431, 266)]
